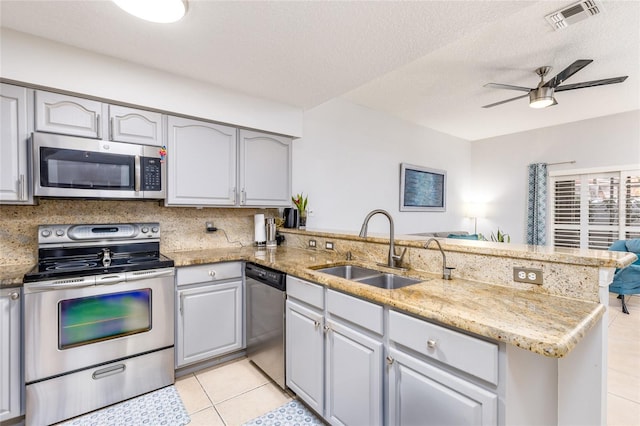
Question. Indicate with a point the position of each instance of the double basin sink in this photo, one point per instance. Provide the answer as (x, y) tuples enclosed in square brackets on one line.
[(368, 276)]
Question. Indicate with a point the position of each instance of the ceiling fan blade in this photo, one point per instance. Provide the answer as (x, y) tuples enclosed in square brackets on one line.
[(505, 101), (592, 83), (567, 72), (507, 86)]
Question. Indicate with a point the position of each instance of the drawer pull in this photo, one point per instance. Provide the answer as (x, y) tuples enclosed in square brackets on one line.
[(390, 360), (212, 273), (109, 371), (431, 344), (14, 295)]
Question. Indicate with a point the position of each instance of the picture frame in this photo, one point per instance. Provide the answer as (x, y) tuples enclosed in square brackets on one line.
[(422, 188)]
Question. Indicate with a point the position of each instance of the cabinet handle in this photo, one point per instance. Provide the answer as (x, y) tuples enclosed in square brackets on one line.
[(234, 195), (431, 344), (111, 129), (327, 328), (98, 130), (316, 324), (22, 188), (243, 197), (212, 273), (181, 304), (14, 295), (390, 360)]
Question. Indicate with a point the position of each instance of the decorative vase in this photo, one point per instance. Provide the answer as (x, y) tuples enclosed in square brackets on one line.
[(302, 219)]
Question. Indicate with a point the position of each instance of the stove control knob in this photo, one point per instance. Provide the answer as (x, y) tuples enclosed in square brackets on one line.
[(59, 232), (155, 229), (46, 233), (145, 229)]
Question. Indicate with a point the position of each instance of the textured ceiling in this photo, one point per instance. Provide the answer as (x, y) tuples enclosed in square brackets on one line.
[(424, 61)]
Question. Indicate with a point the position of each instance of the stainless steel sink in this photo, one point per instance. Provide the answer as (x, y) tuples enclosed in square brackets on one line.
[(389, 281), (368, 276), (349, 272)]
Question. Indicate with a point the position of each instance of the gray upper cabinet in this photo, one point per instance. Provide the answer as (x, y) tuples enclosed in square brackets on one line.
[(68, 115), (201, 160), (71, 115), (135, 126), (14, 158), (265, 169)]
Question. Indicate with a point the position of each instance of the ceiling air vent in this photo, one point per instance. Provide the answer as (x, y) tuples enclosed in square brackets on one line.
[(574, 13)]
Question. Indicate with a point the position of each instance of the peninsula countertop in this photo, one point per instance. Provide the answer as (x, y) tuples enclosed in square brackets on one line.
[(548, 325)]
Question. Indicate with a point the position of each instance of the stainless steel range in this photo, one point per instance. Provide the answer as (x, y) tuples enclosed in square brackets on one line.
[(99, 315)]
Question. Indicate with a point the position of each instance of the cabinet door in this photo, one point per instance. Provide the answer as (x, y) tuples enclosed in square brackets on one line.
[(305, 354), (14, 176), (353, 377), (201, 161), (209, 321), (67, 115), (135, 126), (265, 169), (422, 394), (10, 361)]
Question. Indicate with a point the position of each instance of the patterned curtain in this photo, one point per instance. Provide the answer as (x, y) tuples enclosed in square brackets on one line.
[(537, 205)]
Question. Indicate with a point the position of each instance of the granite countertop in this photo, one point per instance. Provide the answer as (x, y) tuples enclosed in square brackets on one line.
[(544, 324)]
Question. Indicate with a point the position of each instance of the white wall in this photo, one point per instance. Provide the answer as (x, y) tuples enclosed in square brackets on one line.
[(35, 60), (499, 165), (348, 162)]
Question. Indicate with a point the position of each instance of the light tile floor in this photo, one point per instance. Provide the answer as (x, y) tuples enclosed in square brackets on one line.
[(234, 393)]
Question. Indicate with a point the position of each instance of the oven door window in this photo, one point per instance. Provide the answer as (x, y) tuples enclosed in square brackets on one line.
[(96, 318), (68, 168)]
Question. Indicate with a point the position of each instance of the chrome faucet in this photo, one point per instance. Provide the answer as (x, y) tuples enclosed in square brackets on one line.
[(394, 260), (446, 270)]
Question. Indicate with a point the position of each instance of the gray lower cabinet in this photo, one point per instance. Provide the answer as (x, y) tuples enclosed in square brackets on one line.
[(438, 376), (209, 315), (11, 379), (305, 353), (335, 354), (423, 394), (353, 376)]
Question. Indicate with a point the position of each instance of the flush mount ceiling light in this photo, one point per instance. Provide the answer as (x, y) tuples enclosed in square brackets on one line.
[(160, 11)]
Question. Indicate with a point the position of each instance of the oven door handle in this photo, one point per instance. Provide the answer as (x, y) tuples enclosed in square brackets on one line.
[(110, 279)]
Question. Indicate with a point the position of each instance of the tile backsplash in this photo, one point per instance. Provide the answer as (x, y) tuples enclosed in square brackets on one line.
[(182, 228)]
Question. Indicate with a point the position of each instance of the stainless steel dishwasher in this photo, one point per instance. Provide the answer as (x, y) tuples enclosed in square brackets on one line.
[(266, 295)]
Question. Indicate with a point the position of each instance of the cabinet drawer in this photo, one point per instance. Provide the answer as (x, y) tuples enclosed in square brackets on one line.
[(209, 272), (357, 311), (474, 356), (305, 291)]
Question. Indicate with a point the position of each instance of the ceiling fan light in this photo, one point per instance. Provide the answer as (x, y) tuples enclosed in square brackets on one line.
[(160, 11), (541, 97)]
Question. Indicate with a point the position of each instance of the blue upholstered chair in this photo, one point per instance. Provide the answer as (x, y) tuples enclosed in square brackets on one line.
[(626, 280)]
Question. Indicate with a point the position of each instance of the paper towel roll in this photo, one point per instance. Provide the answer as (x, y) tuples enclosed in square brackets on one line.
[(259, 232)]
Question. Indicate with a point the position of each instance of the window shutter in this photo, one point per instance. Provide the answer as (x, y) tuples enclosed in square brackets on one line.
[(566, 208), (594, 210)]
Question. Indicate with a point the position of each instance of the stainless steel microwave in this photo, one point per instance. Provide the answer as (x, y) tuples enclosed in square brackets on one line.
[(68, 166)]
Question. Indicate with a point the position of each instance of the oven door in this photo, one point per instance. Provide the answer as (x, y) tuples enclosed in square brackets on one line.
[(67, 166), (71, 324)]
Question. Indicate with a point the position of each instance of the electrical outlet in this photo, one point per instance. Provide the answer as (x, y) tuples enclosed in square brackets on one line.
[(328, 245), (527, 275), (312, 243)]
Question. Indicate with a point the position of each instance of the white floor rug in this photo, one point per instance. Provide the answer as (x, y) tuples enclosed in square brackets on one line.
[(293, 413), (161, 407)]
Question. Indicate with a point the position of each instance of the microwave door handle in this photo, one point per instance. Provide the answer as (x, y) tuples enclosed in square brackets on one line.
[(137, 173)]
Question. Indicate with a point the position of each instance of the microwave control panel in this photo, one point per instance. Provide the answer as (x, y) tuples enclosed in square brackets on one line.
[(151, 174)]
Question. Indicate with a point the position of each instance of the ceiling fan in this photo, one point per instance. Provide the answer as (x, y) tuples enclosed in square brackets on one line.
[(542, 95)]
